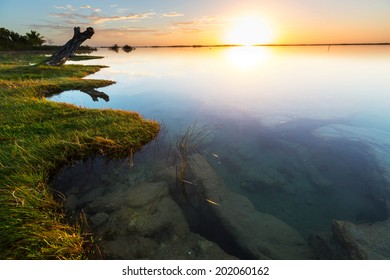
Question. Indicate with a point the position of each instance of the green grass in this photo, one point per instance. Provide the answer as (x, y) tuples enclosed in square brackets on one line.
[(37, 137), (85, 57)]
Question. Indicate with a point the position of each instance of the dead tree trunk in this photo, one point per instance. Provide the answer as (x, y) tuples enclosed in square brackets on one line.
[(68, 50)]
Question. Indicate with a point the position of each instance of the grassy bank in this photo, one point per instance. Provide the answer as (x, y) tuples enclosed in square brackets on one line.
[(36, 138)]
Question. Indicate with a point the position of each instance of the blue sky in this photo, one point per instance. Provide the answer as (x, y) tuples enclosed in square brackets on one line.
[(159, 22)]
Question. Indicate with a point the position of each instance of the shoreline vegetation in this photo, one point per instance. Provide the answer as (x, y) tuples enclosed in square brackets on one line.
[(37, 137)]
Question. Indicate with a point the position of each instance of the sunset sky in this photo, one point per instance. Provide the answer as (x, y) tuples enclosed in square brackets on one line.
[(171, 22)]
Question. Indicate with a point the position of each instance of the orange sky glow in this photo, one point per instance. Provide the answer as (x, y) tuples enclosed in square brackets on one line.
[(203, 22)]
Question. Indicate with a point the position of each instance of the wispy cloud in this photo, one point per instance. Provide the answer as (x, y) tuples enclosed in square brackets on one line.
[(128, 30), (71, 18), (62, 27), (203, 21), (89, 7), (72, 15), (185, 23), (122, 35), (130, 17), (172, 14), (199, 24), (67, 7), (118, 23), (123, 10), (163, 33)]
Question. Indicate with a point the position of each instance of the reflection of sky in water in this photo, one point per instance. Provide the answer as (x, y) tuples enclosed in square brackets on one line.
[(276, 109), (268, 83)]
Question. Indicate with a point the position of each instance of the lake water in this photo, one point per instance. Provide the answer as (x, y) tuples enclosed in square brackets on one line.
[(302, 132)]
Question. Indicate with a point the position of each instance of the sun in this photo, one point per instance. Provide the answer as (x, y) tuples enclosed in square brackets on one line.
[(248, 31)]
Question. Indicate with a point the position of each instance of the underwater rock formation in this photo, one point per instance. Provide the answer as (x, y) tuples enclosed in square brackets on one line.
[(379, 143), (263, 178), (367, 240), (326, 247), (143, 222), (370, 241), (261, 235)]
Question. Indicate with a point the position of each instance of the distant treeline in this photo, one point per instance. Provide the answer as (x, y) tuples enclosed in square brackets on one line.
[(31, 41), (10, 40)]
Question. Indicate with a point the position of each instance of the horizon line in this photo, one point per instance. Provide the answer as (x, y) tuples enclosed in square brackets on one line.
[(255, 45)]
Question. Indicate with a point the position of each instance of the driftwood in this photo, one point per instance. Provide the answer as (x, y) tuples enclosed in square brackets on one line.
[(68, 50)]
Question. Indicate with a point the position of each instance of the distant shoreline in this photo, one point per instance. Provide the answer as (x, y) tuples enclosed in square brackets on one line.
[(88, 49), (265, 45)]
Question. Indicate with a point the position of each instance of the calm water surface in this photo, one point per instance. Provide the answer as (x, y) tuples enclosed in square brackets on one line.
[(303, 132)]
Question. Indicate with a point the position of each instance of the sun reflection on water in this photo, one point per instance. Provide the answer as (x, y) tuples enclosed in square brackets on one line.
[(246, 58)]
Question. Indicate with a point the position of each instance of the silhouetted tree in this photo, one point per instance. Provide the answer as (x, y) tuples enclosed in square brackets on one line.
[(35, 39), (10, 40)]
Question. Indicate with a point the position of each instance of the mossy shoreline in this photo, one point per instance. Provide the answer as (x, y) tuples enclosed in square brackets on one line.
[(37, 137)]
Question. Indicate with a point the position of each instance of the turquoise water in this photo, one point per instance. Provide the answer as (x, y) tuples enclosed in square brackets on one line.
[(303, 133)]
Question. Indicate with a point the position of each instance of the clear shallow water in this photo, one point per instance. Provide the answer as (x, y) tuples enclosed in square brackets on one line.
[(302, 132)]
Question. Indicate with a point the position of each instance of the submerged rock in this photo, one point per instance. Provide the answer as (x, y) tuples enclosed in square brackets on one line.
[(261, 235), (369, 241), (145, 193), (71, 202), (143, 222), (326, 247), (191, 247), (99, 218), (379, 143), (263, 178)]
